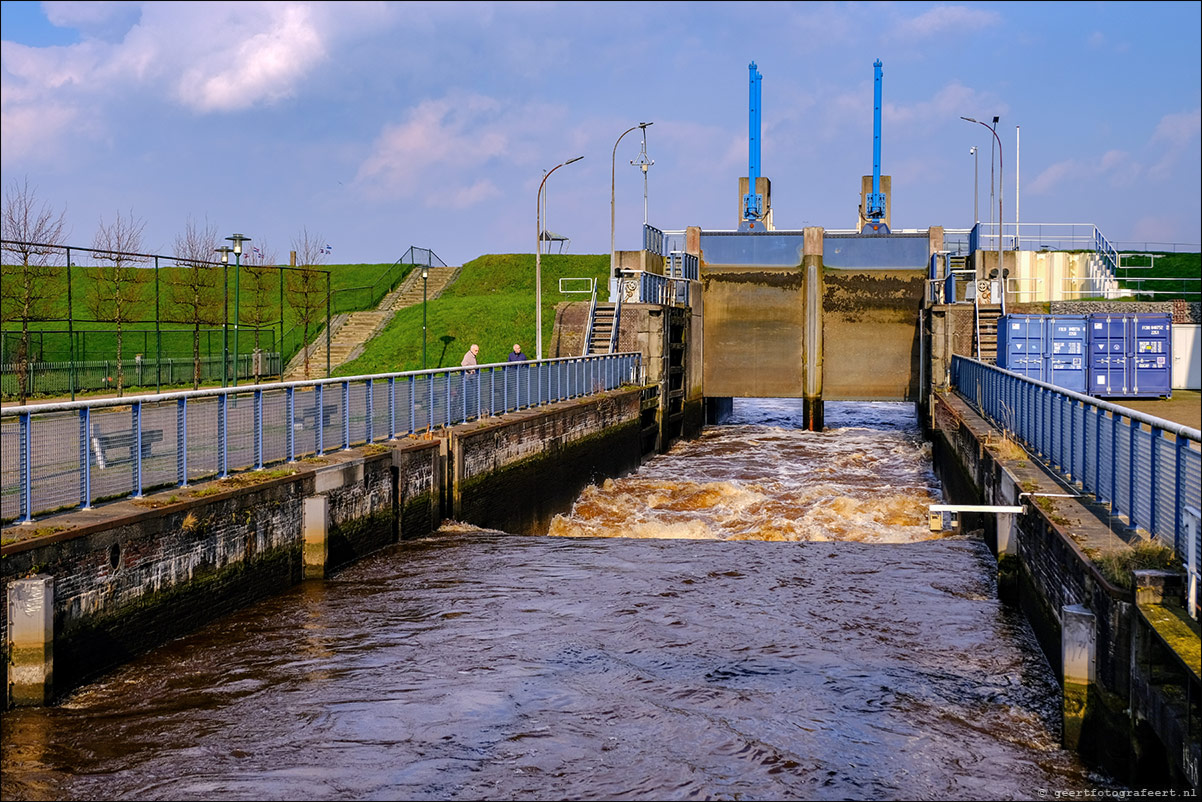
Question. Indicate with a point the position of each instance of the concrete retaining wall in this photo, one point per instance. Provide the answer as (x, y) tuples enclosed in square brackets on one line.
[(1087, 626), (126, 577)]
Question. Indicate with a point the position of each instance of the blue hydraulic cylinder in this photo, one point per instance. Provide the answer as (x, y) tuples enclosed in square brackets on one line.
[(875, 210), (753, 202)]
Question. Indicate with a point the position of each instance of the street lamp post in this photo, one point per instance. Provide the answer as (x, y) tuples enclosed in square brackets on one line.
[(425, 276), (976, 215), (1000, 272), (538, 265), (225, 252), (613, 260), (237, 239)]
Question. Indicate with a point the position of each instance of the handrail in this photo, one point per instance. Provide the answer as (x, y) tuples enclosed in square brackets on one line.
[(206, 433), (617, 324), (653, 239), (1133, 465), (592, 311)]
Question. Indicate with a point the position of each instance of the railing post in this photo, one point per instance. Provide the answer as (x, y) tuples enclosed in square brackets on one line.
[(1179, 452), (181, 442), (1132, 434), (413, 404), (368, 406), (222, 437), (26, 511), (346, 415), (319, 442), (258, 429), (392, 407), (136, 413), (447, 396), (290, 429), (85, 460)]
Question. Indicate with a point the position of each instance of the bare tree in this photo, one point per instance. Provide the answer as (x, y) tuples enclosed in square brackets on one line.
[(196, 284), (32, 235), (119, 288), (307, 288), (262, 276)]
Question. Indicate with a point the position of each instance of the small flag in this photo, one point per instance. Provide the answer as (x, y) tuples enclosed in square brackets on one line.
[(256, 251), (328, 249)]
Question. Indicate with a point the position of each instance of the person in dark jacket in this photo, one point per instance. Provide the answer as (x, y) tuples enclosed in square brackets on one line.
[(516, 354)]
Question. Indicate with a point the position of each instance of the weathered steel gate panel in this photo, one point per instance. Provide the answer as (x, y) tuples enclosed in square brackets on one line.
[(871, 337)]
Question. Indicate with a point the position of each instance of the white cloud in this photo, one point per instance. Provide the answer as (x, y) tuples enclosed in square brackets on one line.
[(943, 20), (464, 197), (109, 21), (1116, 167), (949, 103), (1051, 177), (1158, 229), (263, 66), (440, 139), (1176, 136)]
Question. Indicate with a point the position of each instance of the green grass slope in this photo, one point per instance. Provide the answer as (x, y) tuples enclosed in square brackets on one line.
[(1170, 276), (490, 304)]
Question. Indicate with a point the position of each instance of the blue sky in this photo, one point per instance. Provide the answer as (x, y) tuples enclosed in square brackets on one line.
[(383, 125)]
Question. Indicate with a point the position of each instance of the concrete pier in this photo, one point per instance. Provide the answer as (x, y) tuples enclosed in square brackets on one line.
[(31, 639)]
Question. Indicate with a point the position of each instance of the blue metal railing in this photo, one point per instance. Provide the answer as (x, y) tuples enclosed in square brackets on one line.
[(656, 289), (653, 239), (1106, 252), (1149, 470), (678, 264), (73, 455)]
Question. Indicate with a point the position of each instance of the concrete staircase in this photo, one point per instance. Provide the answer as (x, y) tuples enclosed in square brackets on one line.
[(410, 291), (350, 334)]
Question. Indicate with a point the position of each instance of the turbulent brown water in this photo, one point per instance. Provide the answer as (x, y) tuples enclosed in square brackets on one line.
[(760, 614)]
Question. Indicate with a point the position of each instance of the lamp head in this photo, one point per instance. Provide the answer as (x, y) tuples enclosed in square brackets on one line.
[(569, 161), (238, 239), (225, 252)]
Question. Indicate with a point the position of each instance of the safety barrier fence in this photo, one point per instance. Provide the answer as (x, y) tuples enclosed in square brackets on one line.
[(652, 288), (653, 239), (1148, 470), (678, 264), (73, 455)]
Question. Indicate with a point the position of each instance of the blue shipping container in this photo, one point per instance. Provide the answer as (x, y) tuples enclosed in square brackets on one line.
[(1020, 344), (1050, 348), (1130, 355), (1067, 355)]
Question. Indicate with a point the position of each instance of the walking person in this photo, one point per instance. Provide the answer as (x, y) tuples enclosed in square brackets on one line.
[(470, 383), (516, 354), (469, 359)]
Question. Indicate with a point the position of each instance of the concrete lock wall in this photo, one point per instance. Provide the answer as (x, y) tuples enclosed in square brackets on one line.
[(1088, 628), (127, 577)]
